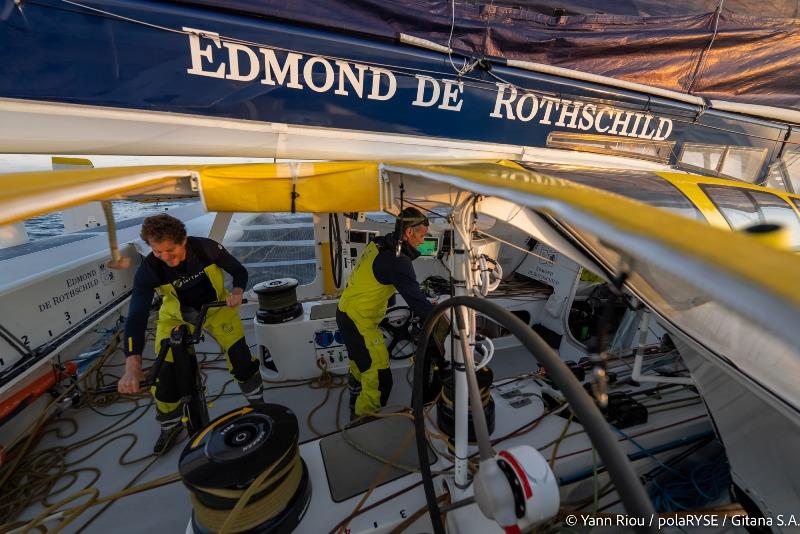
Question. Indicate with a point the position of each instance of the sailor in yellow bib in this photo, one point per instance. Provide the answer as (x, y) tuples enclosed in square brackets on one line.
[(378, 274), (187, 272)]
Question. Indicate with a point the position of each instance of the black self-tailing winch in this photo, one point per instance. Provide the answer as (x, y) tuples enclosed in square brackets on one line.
[(277, 301), (445, 411), (244, 469)]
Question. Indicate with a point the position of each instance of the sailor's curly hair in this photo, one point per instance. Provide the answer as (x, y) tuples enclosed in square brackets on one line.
[(161, 227)]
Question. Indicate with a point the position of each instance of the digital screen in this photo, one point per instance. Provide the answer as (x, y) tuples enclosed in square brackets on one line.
[(429, 247), (357, 236)]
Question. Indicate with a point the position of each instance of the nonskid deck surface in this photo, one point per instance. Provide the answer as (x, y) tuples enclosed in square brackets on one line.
[(108, 448), (127, 431)]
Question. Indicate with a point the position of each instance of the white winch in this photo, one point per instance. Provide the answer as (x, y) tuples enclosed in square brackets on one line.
[(517, 489)]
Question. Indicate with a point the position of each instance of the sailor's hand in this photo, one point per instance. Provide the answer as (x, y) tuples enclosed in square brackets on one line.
[(235, 298), (129, 383)]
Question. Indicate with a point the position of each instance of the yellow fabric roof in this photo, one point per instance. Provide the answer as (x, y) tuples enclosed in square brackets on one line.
[(321, 187), (27, 194), (354, 186), (756, 281), (733, 252)]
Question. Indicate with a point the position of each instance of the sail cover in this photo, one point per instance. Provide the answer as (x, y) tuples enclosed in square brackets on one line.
[(742, 51)]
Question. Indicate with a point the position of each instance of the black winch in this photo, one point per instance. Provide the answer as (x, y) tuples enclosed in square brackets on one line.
[(251, 450), (444, 408), (277, 301)]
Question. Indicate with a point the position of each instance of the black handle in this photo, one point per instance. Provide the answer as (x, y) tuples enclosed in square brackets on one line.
[(162, 354), (144, 384), (107, 389)]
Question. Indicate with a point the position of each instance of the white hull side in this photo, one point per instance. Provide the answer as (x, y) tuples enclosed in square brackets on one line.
[(758, 431)]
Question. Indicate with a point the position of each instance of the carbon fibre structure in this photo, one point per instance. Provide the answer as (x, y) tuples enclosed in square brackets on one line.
[(268, 63), (700, 48)]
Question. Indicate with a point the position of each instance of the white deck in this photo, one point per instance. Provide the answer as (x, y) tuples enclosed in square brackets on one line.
[(167, 509)]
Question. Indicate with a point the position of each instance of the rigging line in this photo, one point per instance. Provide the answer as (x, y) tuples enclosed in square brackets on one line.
[(15, 342), (551, 94), (400, 228), (563, 95), (436, 204), (450, 38), (704, 54), (467, 67), (253, 43), (127, 19), (632, 107), (523, 257), (433, 213), (489, 13), (526, 251), (792, 158), (394, 68)]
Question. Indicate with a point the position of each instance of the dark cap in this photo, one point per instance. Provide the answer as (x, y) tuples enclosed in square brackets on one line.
[(412, 217)]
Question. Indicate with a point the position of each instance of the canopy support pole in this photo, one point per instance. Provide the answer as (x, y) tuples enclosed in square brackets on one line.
[(118, 261)]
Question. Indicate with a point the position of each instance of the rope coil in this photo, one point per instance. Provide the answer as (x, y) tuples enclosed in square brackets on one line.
[(445, 406), (244, 472), (271, 497)]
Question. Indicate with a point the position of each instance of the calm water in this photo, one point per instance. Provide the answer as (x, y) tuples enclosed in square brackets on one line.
[(52, 224)]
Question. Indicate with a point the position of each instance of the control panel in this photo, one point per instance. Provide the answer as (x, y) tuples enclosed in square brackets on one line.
[(298, 349), (329, 347)]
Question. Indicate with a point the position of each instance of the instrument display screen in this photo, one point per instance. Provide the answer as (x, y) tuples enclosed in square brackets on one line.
[(429, 247)]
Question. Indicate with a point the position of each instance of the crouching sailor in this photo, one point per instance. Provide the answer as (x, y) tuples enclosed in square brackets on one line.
[(378, 274), (187, 272)]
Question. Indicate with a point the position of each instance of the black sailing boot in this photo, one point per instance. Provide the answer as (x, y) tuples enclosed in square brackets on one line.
[(171, 427), (253, 390)]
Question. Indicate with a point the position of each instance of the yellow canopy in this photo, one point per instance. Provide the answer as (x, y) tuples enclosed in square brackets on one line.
[(27, 194), (734, 252), (355, 186), (319, 187), (716, 268)]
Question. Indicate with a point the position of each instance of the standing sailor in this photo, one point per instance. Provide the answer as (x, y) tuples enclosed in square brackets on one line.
[(379, 273), (187, 272)]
